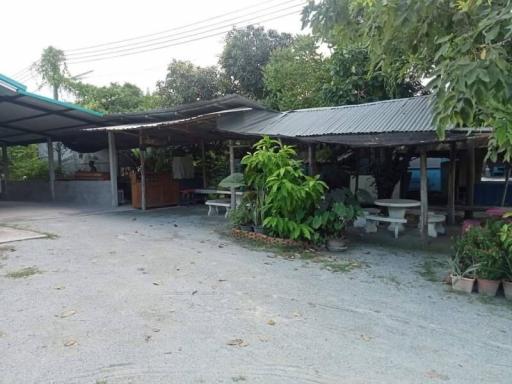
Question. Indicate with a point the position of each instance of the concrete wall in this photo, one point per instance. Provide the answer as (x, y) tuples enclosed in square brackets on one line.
[(80, 192)]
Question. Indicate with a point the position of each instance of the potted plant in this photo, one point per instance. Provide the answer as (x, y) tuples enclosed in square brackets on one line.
[(241, 217), (506, 241), (463, 263), (338, 208), (489, 255)]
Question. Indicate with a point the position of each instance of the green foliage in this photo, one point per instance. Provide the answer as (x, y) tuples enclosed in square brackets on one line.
[(235, 180), (186, 82), (295, 76), (246, 52), (338, 208), (506, 240), (285, 198), (52, 68), (464, 46), (479, 251), (241, 215), (25, 164), (352, 81), (113, 98)]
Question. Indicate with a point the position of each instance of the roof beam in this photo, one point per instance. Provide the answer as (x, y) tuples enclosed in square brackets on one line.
[(29, 117), (59, 112), (24, 130)]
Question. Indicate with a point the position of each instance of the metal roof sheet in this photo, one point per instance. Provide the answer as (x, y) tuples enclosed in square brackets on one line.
[(30, 118), (399, 115)]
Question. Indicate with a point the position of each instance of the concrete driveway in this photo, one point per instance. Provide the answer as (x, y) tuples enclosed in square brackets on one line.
[(164, 297)]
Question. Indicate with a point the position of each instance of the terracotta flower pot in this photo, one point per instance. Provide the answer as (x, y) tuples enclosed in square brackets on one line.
[(488, 287), (507, 289), (462, 284)]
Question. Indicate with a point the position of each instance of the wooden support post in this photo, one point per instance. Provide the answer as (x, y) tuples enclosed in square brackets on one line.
[(142, 151), (203, 164), (505, 187), (423, 194), (112, 157), (470, 188), (356, 182), (451, 184), (311, 159), (5, 169), (232, 170), (51, 168)]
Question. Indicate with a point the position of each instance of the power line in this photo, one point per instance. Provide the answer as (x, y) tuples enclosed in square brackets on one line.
[(178, 36), (171, 42), (175, 28)]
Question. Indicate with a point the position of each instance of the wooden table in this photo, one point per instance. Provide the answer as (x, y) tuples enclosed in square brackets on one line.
[(396, 209)]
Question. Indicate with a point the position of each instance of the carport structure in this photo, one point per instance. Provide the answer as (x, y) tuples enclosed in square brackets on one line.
[(28, 118)]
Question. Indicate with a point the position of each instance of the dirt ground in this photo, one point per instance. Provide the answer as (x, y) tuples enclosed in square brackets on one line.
[(165, 297)]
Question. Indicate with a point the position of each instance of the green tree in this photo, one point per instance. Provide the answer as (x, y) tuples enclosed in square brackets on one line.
[(112, 98), (464, 46), (186, 82), (295, 76), (352, 81), (246, 52), (25, 164), (53, 69)]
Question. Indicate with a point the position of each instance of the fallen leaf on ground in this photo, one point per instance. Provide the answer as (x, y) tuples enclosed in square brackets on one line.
[(68, 313), (432, 374), (70, 343), (194, 292), (157, 283), (271, 322), (59, 287), (366, 338), (237, 343)]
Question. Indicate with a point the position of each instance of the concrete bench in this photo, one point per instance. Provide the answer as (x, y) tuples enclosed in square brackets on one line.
[(371, 221), (213, 206), (435, 224)]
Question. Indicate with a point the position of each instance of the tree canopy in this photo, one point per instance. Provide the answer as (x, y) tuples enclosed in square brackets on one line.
[(295, 75), (246, 52), (186, 82), (112, 98), (52, 68), (463, 46)]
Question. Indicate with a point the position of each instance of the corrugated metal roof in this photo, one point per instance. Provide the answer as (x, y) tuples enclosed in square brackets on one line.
[(26, 117), (399, 115)]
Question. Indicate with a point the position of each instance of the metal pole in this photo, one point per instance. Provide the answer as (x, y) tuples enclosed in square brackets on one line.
[(112, 157), (51, 168), (232, 170), (423, 194)]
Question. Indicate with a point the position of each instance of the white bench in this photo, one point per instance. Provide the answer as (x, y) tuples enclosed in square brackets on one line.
[(213, 206), (435, 224), (371, 221)]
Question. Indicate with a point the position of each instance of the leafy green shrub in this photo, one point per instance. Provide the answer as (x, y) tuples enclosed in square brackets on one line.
[(284, 197), (241, 215), (479, 252), (337, 209), (25, 163)]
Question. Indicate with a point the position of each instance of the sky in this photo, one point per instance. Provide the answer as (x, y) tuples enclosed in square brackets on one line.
[(75, 25)]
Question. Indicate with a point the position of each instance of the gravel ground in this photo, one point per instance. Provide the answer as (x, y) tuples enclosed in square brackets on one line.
[(164, 297)]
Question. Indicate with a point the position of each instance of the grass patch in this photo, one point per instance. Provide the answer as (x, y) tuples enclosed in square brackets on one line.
[(432, 268), (23, 273)]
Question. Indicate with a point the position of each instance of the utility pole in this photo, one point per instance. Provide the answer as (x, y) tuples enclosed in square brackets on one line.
[(58, 146)]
